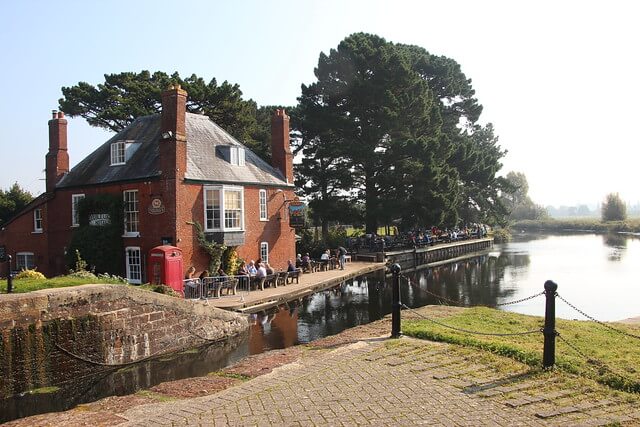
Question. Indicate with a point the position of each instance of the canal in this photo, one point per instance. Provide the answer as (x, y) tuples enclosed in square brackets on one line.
[(596, 273)]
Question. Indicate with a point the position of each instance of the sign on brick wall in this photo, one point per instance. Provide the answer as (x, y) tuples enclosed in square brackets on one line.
[(296, 214)]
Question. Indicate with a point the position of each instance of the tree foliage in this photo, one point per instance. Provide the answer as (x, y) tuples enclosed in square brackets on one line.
[(613, 208), (13, 201), (123, 97), (516, 199), (393, 129)]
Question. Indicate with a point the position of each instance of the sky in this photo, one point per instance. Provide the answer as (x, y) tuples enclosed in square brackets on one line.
[(558, 79)]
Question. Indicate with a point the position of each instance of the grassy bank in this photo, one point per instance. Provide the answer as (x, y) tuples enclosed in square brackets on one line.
[(35, 284), (579, 224), (606, 356)]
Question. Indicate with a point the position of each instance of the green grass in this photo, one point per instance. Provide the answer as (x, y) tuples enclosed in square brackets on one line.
[(612, 359), (29, 285), (44, 390)]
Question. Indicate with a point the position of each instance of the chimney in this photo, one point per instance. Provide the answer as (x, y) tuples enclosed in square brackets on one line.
[(173, 148), (57, 159), (281, 157), (174, 107)]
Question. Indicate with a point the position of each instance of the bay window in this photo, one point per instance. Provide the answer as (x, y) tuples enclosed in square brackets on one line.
[(223, 208)]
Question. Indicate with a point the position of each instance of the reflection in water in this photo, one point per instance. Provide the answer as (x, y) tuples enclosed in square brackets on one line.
[(509, 272), (126, 379), (617, 243)]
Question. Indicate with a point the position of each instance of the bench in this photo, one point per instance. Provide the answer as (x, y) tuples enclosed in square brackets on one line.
[(294, 275), (282, 278)]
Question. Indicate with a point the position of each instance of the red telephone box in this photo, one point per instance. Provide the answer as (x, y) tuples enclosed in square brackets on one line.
[(165, 267)]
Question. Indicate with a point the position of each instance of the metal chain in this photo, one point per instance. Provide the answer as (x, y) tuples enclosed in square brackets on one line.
[(592, 360), (520, 300), (471, 332), (595, 320), (458, 303)]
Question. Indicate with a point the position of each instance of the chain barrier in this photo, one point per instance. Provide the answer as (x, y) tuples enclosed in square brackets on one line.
[(468, 331), (520, 300), (591, 360), (597, 321), (458, 303)]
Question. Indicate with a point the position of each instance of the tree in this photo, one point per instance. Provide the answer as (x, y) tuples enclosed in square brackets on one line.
[(613, 208), (403, 122), (516, 198), (369, 102), (123, 97), (13, 201)]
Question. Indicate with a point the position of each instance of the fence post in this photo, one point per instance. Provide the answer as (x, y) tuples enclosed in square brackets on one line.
[(549, 331), (395, 303), (9, 278)]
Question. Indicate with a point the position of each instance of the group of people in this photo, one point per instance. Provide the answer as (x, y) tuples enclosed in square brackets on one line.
[(335, 259)]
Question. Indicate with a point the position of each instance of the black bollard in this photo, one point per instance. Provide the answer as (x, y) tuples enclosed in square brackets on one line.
[(9, 278), (395, 304), (549, 331)]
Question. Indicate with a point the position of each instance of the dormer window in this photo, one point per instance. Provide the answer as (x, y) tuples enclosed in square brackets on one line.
[(122, 151), (236, 156), (118, 150)]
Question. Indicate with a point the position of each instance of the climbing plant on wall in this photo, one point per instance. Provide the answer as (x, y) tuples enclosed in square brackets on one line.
[(213, 249), (98, 238)]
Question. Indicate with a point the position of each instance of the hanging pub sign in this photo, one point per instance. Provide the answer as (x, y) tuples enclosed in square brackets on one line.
[(296, 214)]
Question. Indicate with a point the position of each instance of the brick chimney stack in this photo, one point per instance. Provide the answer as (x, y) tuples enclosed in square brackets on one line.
[(57, 159), (281, 157), (173, 148)]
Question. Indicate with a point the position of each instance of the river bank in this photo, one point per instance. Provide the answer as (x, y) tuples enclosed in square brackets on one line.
[(594, 225)]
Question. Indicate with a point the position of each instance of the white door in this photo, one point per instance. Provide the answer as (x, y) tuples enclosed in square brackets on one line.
[(134, 265)]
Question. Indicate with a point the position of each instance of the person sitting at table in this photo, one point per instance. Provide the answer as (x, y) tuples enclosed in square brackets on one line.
[(269, 269), (261, 271), (325, 255), (221, 272), (242, 270), (291, 266), (299, 261), (306, 262), (252, 268)]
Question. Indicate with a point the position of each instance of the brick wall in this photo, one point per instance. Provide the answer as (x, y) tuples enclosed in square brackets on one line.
[(49, 337)]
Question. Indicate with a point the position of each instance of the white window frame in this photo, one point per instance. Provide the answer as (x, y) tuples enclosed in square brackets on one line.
[(131, 214), (236, 156), (118, 153), (37, 220), (75, 215), (262, 201), (22, 262), (134, 270), (221, 190), (264, 251)]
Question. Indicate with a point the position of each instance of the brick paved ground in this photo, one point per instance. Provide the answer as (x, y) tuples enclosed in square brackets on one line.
[(396, 382), (355, 379)]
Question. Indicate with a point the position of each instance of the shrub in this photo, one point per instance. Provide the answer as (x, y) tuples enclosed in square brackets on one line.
[(30, 274)]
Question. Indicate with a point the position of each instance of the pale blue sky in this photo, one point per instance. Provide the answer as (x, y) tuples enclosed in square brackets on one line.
[(559, 79)]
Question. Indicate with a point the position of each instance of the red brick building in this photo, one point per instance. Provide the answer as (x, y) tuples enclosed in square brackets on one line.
[(170, 169)]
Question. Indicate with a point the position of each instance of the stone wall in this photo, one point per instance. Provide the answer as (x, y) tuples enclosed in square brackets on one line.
[(54, 336)]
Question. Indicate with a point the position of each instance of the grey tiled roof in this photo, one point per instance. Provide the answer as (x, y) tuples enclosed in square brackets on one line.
[(205, 158)]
